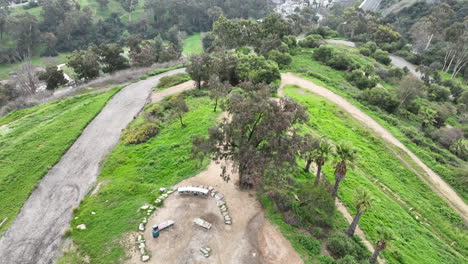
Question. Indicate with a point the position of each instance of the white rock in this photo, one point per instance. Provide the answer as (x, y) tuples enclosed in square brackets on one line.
[(220, 203), (219, 196), (144, 207), (141, 227), (210, 188), (162, 189), (140, 238), (165, 195), (142, 251), (169, 192), (145, 258), (141, 245), (82, 226), (76, 217), (93, 213), (144, 221)]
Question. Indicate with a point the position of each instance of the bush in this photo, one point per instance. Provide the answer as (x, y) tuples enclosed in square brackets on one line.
[(311, 41), (311, 244), (362, 80), (438, 93), (140, 134), (365, 51), (172, 80), (382, 57), (318, 213), (380, 97), (325, 260), (323, 54), (446, 136), (283, 59), (341, 245)]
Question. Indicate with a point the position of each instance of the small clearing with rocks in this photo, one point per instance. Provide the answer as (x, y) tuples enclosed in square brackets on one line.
[(249, 239)]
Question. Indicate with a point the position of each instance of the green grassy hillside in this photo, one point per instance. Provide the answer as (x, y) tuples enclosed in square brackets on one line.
[(130, 177), (32, 144), (192, 45), (437, 158), (426, 228)]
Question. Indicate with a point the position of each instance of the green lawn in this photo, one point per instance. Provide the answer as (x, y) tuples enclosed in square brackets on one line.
[(6, 69), (172, 80), (192, 45), (132, 175), (32, 145), (423, 223), (440, 161)]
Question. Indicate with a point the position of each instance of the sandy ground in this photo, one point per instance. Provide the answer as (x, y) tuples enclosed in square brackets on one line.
[(430, 177), (250, 239), (37, 231)]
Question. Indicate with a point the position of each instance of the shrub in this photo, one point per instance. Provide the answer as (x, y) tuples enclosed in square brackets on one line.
[(438, 93), (311, 244), (341, 245), (446, 136), (325, 260), (365, 51), (382, 57), (283, 59), (342, 62), (323, 54), (381, 97), (318, 213), (140, 133), (172, 80), (362, 80), (311, 41), (347, 260)]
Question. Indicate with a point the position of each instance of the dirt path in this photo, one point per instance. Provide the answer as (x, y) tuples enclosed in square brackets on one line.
[(250, 239), (431, 178), (37, 231), (343, 210)]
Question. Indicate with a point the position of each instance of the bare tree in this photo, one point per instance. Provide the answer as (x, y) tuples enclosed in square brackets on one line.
[(26, 78)]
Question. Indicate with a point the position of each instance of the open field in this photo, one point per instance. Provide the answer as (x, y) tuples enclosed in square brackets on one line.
[(132, 176), (440, 161), (6, 69), (192, 45), (33, 144), (423, 223)]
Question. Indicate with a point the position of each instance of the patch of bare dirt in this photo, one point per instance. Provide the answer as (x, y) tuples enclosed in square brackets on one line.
[(157, 96), (250, 239)]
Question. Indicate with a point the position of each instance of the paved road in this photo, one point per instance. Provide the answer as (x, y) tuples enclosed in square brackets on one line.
[(434, 181), (396, 60), (37, 231)]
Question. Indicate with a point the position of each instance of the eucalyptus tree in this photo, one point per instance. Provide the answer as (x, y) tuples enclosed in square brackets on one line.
[(218, 89), (346, 155), (363, 202)]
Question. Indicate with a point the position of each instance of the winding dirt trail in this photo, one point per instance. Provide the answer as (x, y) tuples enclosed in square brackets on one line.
[(37, 231), (436, 183)]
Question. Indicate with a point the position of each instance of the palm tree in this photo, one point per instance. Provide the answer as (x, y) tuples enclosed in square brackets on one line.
[(384, 236), (363, 202), (321, 153), (346, 154)]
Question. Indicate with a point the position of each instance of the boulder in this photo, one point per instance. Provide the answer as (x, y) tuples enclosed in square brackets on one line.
[(141, 245), (162, 189), (145, 258), (141, 227)]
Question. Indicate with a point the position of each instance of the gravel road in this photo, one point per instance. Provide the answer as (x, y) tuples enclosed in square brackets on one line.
[(437, 184), (37, 231)]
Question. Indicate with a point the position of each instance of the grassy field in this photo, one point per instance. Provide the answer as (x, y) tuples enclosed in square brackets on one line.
[(113, 7), (423, 223), (131, 177), (304, 65), (29, 147), (6, 69), (192, 45)]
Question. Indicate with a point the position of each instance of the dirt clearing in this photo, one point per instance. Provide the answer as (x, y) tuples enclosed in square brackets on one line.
[(250, 239)]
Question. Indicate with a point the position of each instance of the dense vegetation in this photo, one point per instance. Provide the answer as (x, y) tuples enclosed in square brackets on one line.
[(132, 173), (30, 144)]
